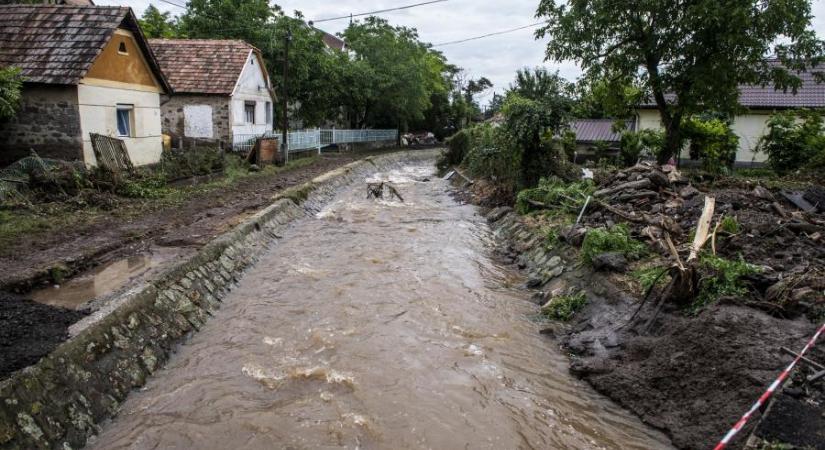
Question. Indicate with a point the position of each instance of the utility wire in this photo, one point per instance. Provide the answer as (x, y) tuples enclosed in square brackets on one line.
[(378, 12), (490, 34), (174, 4)]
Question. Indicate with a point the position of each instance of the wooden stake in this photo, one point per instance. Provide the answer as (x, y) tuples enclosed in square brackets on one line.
[(702, 228)]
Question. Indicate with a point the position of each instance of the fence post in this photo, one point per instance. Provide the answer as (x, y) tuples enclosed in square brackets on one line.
[(318, 139)]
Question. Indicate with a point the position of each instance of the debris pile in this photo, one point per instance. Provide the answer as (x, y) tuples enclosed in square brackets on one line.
[(781, 233)]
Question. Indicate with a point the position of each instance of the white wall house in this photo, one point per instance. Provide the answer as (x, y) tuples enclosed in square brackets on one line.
[(761, 103), (252, 99), (96, 76), (221, 91)]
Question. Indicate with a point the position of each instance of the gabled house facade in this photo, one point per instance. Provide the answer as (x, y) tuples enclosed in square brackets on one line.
[(220, 90), (760, 102), (86, 69)]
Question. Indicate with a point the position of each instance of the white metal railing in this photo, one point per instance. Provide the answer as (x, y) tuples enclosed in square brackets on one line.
[(303, 140)]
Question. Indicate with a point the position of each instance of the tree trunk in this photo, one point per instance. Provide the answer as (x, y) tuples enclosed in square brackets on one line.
[(673, 139)]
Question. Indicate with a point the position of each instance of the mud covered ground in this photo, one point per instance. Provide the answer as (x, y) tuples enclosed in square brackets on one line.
[(29, 331), (696, 370), (120, 233)]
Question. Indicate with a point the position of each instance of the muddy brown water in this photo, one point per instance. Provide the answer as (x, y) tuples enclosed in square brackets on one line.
[(106, 279), (376, 324)]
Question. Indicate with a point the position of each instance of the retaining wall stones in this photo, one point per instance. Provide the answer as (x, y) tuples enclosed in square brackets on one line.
[(59, 402)]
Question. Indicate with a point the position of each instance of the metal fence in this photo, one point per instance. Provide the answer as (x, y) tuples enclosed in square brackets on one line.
[(303, 140)]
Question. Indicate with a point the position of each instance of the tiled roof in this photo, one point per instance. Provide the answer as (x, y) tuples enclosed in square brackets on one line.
[(56, 44), (332, 41), (594, 130), (201, 66), (811, 94)]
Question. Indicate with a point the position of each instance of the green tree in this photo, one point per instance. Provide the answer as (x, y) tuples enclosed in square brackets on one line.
[(402, 73), (156, 24), (606, 98), (693, 55), (11, 83), (249, 20), (530, 126), (539, 84)]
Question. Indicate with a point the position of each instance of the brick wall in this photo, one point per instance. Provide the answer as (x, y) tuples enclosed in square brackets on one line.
[(173, 118), (48, 121)]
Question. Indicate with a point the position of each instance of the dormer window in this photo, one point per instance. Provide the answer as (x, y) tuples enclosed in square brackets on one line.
[(122, 48), (252, 61)]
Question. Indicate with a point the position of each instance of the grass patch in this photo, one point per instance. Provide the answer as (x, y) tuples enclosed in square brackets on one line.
[(563, 307), (650, 276), (553, 192), (723, 278), (729, 224), (615, 239)]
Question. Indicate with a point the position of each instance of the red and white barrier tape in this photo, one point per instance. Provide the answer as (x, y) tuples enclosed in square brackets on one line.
[(764, 398)]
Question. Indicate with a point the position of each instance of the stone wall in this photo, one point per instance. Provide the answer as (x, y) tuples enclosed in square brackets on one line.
[(173, 119), (48, 122), (59, 402)]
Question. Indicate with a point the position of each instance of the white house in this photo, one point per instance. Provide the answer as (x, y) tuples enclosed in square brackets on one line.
[(220, 90), (760, 103), (96, 76)]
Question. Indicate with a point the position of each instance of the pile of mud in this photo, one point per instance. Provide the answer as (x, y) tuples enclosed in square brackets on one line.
[(30, 330)]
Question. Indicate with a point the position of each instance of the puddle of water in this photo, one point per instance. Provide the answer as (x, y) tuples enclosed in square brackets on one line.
[(103, 280), (353, 332)]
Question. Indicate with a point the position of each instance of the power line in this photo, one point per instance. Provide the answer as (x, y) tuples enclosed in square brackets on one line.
[(174, 4), (378, 12), (490, 34)]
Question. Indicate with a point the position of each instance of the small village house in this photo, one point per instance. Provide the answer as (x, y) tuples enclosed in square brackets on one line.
[(87, 69), (760, 103), (220, 90)]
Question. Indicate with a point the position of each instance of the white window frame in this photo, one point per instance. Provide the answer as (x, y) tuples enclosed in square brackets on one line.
[(268, 112), (130, 123), (246, 105)]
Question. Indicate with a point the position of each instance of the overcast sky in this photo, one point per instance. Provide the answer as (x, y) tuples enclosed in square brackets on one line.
[(495, 57)]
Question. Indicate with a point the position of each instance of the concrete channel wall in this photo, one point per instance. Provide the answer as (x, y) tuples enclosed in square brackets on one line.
[(60, 401)]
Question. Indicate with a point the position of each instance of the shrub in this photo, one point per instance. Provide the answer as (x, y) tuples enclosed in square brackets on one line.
[(723, 277), (177, 164), (637, 144), (458, 145), (148, 186), (569, 197), (615, 239), (11, 83), (713, 141), (791, 143), (563, 307)]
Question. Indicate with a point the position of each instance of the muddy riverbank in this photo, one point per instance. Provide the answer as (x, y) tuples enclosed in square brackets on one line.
[(55, 278), (375, 324), (691, 376)]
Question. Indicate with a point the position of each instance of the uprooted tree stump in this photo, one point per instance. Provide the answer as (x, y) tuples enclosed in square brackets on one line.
[(376, 190), (684, 277)]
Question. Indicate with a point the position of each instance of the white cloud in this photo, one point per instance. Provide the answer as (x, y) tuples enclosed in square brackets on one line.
[(496, 57)]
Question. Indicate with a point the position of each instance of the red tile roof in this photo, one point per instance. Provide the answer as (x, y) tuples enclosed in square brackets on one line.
[(202, 66), (595, 130), (57, 44)]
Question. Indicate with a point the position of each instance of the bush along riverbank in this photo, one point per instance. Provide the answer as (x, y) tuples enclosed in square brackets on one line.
[(684, 331)]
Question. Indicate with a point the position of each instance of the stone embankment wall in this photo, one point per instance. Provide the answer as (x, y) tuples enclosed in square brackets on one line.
[(59, 402)]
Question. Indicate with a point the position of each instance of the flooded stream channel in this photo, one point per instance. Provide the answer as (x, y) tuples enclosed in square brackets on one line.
[(376, 324)]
